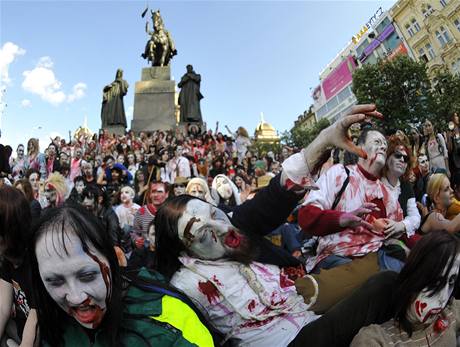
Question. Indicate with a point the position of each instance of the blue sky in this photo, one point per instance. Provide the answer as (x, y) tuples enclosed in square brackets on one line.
[(253, 56)]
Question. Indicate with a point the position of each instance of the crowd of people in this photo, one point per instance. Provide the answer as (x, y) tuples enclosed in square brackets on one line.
[(197, 239)]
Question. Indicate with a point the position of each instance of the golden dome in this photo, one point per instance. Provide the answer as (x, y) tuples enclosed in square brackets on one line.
[(265, 132)]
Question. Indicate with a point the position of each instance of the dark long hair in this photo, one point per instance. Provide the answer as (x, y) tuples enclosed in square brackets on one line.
[(427, 266), (72, 218), (15, 222), (167, 242)]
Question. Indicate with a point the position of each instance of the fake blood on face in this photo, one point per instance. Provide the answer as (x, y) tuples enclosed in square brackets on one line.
[(232, 239)]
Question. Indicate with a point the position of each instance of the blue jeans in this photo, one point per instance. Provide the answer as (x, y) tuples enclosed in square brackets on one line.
[(385, 262)]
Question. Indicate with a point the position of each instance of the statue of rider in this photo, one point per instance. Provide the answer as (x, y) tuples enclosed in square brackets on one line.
[(160, 48)]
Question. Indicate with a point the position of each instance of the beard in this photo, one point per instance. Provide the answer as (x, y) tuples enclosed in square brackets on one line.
[(247, 251)]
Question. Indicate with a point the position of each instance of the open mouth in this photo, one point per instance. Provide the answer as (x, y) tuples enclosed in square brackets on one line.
[(232, 239), (86, 313), (433, 312)]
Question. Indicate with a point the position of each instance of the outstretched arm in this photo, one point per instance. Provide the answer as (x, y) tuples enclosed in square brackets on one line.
[(272, 205)]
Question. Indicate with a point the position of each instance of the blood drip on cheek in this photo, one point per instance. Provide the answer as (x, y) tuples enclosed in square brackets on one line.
[(373, 160), (106, 275)]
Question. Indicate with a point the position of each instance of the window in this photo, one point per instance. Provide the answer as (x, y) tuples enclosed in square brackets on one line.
[(456, 66), (422, 55), (427, 11), (430, 50), (443, 2), (412, 28), (457, 24), (443, 36)]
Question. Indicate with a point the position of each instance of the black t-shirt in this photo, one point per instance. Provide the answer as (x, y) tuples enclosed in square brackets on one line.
[(21, 280)]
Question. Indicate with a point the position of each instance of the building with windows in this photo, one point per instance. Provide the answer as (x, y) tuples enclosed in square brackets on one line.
[(431, 29), (378, 39)]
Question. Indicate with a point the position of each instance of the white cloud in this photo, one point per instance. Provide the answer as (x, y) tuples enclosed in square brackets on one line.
[(8, 53), (78, 92), (45, 62), (26, 103), (43, 82)]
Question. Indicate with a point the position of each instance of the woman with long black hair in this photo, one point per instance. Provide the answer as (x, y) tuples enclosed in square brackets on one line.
[(83, 299)]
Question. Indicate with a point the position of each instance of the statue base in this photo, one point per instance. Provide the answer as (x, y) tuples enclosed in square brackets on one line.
[(154, 100), (115, 129), (183, 126)]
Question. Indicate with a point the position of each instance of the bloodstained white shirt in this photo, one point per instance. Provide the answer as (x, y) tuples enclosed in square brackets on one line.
[(350, 242), (219, 288)]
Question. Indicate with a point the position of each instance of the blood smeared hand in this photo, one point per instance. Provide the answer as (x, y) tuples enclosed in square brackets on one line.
[(337, 135), (355, 218)]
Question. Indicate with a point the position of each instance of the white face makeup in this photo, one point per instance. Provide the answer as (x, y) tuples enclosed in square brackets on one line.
[(398, 161), (224, 188), (179, 190), (376, 149), (79, 186), (126, 195), (77, 281), (197, 190), (50, 194), (206, 231), (20, 152), (426, 308), (423, 164)]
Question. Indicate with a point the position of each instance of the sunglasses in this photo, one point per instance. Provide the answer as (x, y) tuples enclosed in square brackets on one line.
[(404, 157)]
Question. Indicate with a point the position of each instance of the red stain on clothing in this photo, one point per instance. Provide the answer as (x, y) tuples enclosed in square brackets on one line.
[(207, 288), (257, 323), (216, 281), (285, 281), (252, 305)]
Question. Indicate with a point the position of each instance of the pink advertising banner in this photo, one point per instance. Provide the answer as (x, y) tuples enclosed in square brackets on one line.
[(339, 78)]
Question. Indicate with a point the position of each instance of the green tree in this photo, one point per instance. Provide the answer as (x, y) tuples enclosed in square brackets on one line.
[(446, 92), (400, 88), (301, 136)]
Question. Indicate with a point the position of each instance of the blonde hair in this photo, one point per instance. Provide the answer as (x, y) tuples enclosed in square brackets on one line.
[(434, 185), (201, 182), (243, 132), (58, 182)]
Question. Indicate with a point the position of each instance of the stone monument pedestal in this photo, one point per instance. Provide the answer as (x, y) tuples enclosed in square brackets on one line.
[(154, 106), (116, 129)]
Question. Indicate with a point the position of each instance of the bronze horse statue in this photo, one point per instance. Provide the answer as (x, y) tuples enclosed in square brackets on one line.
[(160, 48)]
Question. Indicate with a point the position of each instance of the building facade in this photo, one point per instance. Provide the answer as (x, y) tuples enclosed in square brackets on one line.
[(431, 28), (378, 39)]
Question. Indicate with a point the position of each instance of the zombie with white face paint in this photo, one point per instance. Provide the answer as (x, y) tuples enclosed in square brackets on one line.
[(210, 256), (78, 287), (198, 188), (351, 224), (425, 312), (226, 190), (395, 174), (17, 164), (127, 209), (56, 190), (76, 194)]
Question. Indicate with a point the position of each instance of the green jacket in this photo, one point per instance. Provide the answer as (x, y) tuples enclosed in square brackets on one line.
[(150, 318)]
